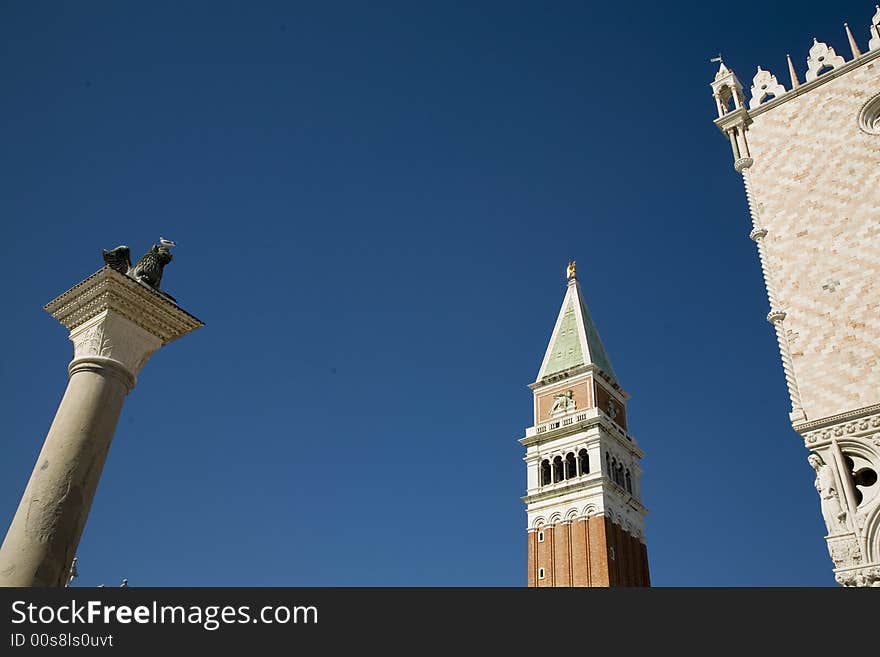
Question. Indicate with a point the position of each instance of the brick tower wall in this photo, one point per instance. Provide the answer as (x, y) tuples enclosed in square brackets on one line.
[(587, 552)]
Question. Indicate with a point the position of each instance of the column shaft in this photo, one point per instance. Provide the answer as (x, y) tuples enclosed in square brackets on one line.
[(116, 323), (42, 539)]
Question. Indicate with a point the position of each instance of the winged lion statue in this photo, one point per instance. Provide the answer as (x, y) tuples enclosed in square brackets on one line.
[(148, 269)]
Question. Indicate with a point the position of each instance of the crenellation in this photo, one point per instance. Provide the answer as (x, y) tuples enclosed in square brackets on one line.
[(874, 43), (765, 87), (822, 58), (822, 61)]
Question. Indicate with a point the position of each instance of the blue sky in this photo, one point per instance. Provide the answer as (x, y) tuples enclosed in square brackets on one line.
[(374, 207)]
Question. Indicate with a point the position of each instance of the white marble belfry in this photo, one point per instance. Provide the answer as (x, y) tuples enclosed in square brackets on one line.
[(116, 324)]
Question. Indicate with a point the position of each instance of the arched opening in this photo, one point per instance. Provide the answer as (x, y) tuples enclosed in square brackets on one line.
[(557, 469), (608, 463), (620, 474), (824, 69), (614, 470), (862, 477), (570, 466), (865, 477), (584, 461), (727, 100), (545, 472), (629, 482)]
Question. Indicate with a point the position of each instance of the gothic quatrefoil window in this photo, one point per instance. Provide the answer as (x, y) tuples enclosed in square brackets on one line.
[(869, 117)]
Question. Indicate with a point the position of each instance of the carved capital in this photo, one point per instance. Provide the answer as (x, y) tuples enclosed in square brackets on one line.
[(113, 337), (743, 163), (844, 551), (117, 323), (869, 576), (107, 289)]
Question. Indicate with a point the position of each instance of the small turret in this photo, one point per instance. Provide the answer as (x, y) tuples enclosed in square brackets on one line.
[(733, 117), (727, 90)]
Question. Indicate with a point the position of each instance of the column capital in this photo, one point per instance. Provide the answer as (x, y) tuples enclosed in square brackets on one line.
[(743, 163), (775, 316), (116, 323), (758, 234)]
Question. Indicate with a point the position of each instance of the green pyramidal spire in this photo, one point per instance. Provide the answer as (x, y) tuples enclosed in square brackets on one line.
[(575, 340)]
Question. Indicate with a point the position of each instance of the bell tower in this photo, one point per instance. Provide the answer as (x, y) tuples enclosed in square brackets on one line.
[(583, 502)]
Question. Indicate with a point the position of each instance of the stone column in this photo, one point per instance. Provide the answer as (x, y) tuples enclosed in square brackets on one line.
[(116, 324)]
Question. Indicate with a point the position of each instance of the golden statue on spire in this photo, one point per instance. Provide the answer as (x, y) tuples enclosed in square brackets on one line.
[(571, 269)]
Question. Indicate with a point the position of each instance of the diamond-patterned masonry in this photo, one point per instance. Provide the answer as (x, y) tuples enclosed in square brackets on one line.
[(816, 181), (810, 162)]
